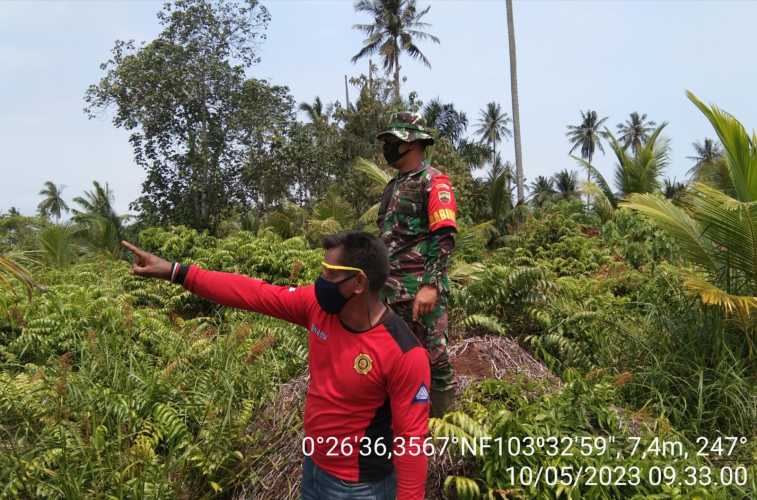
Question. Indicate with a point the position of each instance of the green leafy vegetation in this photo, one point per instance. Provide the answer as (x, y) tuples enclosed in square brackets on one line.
[(641, 301)]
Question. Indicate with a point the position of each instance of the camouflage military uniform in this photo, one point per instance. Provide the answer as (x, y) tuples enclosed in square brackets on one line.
[(416, 221)]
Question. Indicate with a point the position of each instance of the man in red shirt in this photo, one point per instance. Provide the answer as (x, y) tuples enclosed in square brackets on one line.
[(367, 403)]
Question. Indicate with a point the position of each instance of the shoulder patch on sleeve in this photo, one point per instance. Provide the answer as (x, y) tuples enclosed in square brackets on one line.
[(421, 396), (400, 332)]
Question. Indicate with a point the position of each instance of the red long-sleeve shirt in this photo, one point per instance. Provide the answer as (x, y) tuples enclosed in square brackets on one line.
[(366, 388)]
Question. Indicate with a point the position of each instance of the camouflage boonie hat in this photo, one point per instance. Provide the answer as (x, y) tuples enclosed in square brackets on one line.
[(408, 127)]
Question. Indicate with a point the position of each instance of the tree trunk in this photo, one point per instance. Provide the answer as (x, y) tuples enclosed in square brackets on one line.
[(346, 94), (370, 78), (397, 74), (588, 179), (514, 93)]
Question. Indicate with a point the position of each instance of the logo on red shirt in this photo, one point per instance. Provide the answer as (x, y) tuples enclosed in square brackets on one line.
[(363, 363), (422, 395)]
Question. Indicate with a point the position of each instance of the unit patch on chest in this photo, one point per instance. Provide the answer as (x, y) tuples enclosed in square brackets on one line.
[(363, 363)]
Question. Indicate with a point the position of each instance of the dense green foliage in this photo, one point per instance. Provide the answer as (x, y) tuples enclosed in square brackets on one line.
[(113, 384), (641, 300), (116, 384), (574, 443)]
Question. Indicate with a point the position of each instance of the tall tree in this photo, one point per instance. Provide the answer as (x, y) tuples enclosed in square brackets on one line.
[(587, 136), (396, 26), (713, 229), (673, 190), (449, 122), (542, 190), (53, 202), (182, 97), (711, 166), (316, 112), (492, 126), (516, 106), (635, 131), (474, 153), (706, 153), (640, 172), (500, 189), (103, 226), (566, 183)]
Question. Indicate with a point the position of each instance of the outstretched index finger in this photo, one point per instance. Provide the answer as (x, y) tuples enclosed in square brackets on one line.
[(135, 250)]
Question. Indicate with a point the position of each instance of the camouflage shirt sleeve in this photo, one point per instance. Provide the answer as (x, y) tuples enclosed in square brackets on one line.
[(442, 212), (440, 246)]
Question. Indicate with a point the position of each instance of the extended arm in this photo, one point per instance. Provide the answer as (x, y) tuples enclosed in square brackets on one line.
[(243, 292), (228, 289)]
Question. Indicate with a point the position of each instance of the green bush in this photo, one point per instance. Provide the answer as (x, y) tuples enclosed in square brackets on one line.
[(578, 444), (109, 386)]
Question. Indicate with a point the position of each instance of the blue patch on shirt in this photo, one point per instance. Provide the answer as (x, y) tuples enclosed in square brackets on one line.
[(421, 396)]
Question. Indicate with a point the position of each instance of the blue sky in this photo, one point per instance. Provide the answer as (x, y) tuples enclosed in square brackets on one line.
[(612, 56)]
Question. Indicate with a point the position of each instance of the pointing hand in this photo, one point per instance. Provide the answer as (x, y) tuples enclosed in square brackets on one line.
[(146, 264)]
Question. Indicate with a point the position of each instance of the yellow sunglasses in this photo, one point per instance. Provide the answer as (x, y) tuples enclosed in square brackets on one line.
[(341, 268)]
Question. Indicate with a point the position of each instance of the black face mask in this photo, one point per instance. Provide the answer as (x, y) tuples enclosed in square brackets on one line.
[(328, 296), (392, 152)]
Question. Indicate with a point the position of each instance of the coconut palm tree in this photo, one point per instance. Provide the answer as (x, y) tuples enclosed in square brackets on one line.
[(474, 153), (710, 166), (673, 190), (542, 190), (715, 230), (566, 183), (635, 130), (102, 226), (316, 112), (500, 189), (516, 106), (396, 26), (706, 153), (53, 203), (640, 172), (449, 122), (492, 126), (587, 136), (330, 215), (58, 245)]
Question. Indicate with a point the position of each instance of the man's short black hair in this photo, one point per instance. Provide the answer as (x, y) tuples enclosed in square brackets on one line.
[(363, 250)]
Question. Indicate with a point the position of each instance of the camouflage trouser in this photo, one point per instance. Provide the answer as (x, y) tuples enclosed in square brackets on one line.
[(431, 330)]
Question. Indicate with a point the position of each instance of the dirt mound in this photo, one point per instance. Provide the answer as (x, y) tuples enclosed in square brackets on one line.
[(274, 466), (495, 357)]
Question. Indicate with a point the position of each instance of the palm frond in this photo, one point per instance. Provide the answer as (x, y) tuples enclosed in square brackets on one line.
[(9, 266), (679, 224), (599, 179), (378, 177), (740, 148), (603, 207)]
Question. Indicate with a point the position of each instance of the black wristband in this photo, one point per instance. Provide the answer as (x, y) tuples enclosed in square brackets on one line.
[(181, 274)]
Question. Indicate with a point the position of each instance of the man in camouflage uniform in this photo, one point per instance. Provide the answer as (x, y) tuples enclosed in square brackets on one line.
[(416, 221)]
